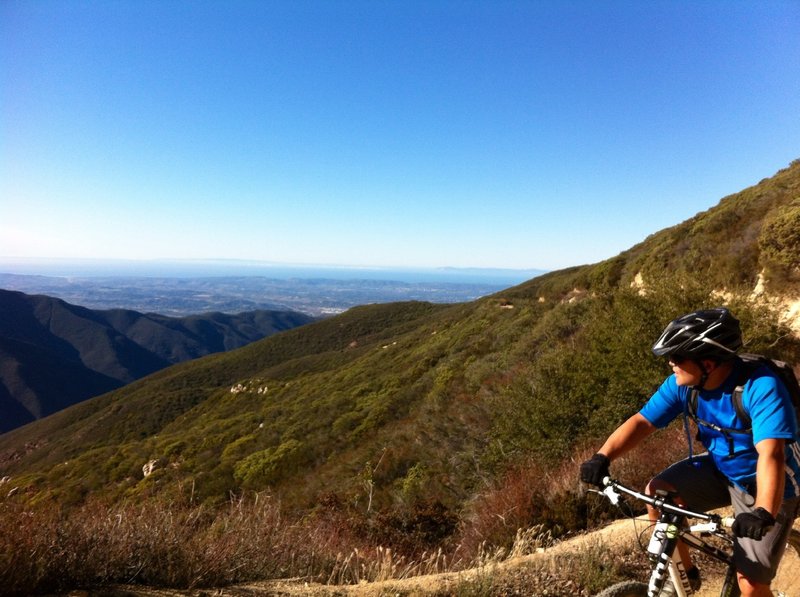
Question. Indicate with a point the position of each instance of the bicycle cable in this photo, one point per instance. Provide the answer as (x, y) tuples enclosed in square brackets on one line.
[(629, 512)]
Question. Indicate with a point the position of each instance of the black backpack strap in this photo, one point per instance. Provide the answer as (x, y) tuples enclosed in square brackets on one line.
[(727, 432), (747, 367), (690, 411), (738, 406)]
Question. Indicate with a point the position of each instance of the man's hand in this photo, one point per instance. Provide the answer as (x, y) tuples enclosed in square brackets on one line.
[(594, 469), (753, 525)]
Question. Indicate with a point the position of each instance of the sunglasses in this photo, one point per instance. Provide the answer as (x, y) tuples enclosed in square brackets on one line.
[(676, 359)]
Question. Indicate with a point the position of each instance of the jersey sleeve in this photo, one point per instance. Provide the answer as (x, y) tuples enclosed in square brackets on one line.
[(664, 405), (770, 407)]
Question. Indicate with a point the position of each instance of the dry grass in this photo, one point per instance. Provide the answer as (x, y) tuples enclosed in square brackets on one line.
[(533, 494), (167, 544), (162, 544)]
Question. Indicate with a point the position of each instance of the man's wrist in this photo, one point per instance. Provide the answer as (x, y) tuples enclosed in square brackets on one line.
[(769, 509), (764, 514)]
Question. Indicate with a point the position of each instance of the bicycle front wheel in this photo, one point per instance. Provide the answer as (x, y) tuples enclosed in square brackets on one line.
[(787, 581), (626, 588)]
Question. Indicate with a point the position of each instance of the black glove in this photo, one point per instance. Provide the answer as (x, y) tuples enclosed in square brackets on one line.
[(594, 469), (753, 525)]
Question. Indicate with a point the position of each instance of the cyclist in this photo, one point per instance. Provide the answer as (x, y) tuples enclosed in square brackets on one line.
[(756, 470)]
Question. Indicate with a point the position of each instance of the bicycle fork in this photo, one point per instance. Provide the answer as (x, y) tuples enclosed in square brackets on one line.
[(662, 547)]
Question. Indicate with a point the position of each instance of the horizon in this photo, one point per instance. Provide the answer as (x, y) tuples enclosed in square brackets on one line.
[(424, 135), (233, 268)]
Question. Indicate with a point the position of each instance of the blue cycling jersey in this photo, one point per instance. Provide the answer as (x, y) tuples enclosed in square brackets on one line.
[(767, 402)]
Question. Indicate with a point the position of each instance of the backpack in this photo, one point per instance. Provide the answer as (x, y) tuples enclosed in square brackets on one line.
[(751, 362)]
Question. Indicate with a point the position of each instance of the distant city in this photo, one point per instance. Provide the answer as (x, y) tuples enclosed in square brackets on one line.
[(179, 288)]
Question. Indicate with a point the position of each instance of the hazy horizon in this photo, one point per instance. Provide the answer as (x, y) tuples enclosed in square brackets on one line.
[(198, 268)]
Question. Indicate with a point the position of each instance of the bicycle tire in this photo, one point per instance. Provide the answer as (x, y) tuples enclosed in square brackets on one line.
[(626, 588), (787, 580), (733, 589)]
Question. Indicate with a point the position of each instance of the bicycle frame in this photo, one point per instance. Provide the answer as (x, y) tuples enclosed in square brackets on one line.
[(671, 528)]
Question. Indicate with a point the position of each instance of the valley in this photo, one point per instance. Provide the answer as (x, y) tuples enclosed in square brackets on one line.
[(179, 296)]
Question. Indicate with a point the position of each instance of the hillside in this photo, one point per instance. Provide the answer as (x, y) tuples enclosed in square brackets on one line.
[(749, 240), (425, 426), (54, 354)]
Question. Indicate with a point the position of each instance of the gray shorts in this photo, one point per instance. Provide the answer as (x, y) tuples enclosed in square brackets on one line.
[(702, 487)]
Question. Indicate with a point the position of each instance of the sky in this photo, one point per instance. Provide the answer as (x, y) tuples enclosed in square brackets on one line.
[(503, 134)]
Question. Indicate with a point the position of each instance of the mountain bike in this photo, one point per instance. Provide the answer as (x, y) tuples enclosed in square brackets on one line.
[(667, 575)]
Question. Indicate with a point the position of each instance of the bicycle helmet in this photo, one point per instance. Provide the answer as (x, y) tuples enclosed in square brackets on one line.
[(707, 334)]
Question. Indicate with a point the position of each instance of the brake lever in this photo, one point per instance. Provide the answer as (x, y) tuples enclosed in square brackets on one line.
[(611, 494)]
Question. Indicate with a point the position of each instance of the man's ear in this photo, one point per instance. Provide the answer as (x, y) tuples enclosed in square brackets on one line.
[(709, 365)]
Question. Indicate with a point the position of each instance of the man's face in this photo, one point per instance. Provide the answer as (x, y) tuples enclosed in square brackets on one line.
[(687, 372)]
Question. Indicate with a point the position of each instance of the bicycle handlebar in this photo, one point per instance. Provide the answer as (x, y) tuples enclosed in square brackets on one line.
[(614, 488)]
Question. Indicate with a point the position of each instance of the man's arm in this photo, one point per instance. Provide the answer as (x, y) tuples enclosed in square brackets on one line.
[(770, 478), (627, 436), (770, 474)]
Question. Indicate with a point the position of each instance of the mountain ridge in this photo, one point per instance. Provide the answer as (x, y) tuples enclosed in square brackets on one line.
[(55, 354), (747, 237)]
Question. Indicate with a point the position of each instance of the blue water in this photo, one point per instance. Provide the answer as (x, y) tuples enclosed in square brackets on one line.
[(219, 268)]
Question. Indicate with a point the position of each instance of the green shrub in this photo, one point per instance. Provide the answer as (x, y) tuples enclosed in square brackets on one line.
[(265, 467), (780, 243)]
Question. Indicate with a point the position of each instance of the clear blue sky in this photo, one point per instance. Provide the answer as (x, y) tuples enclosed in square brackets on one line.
[(505, 134)]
